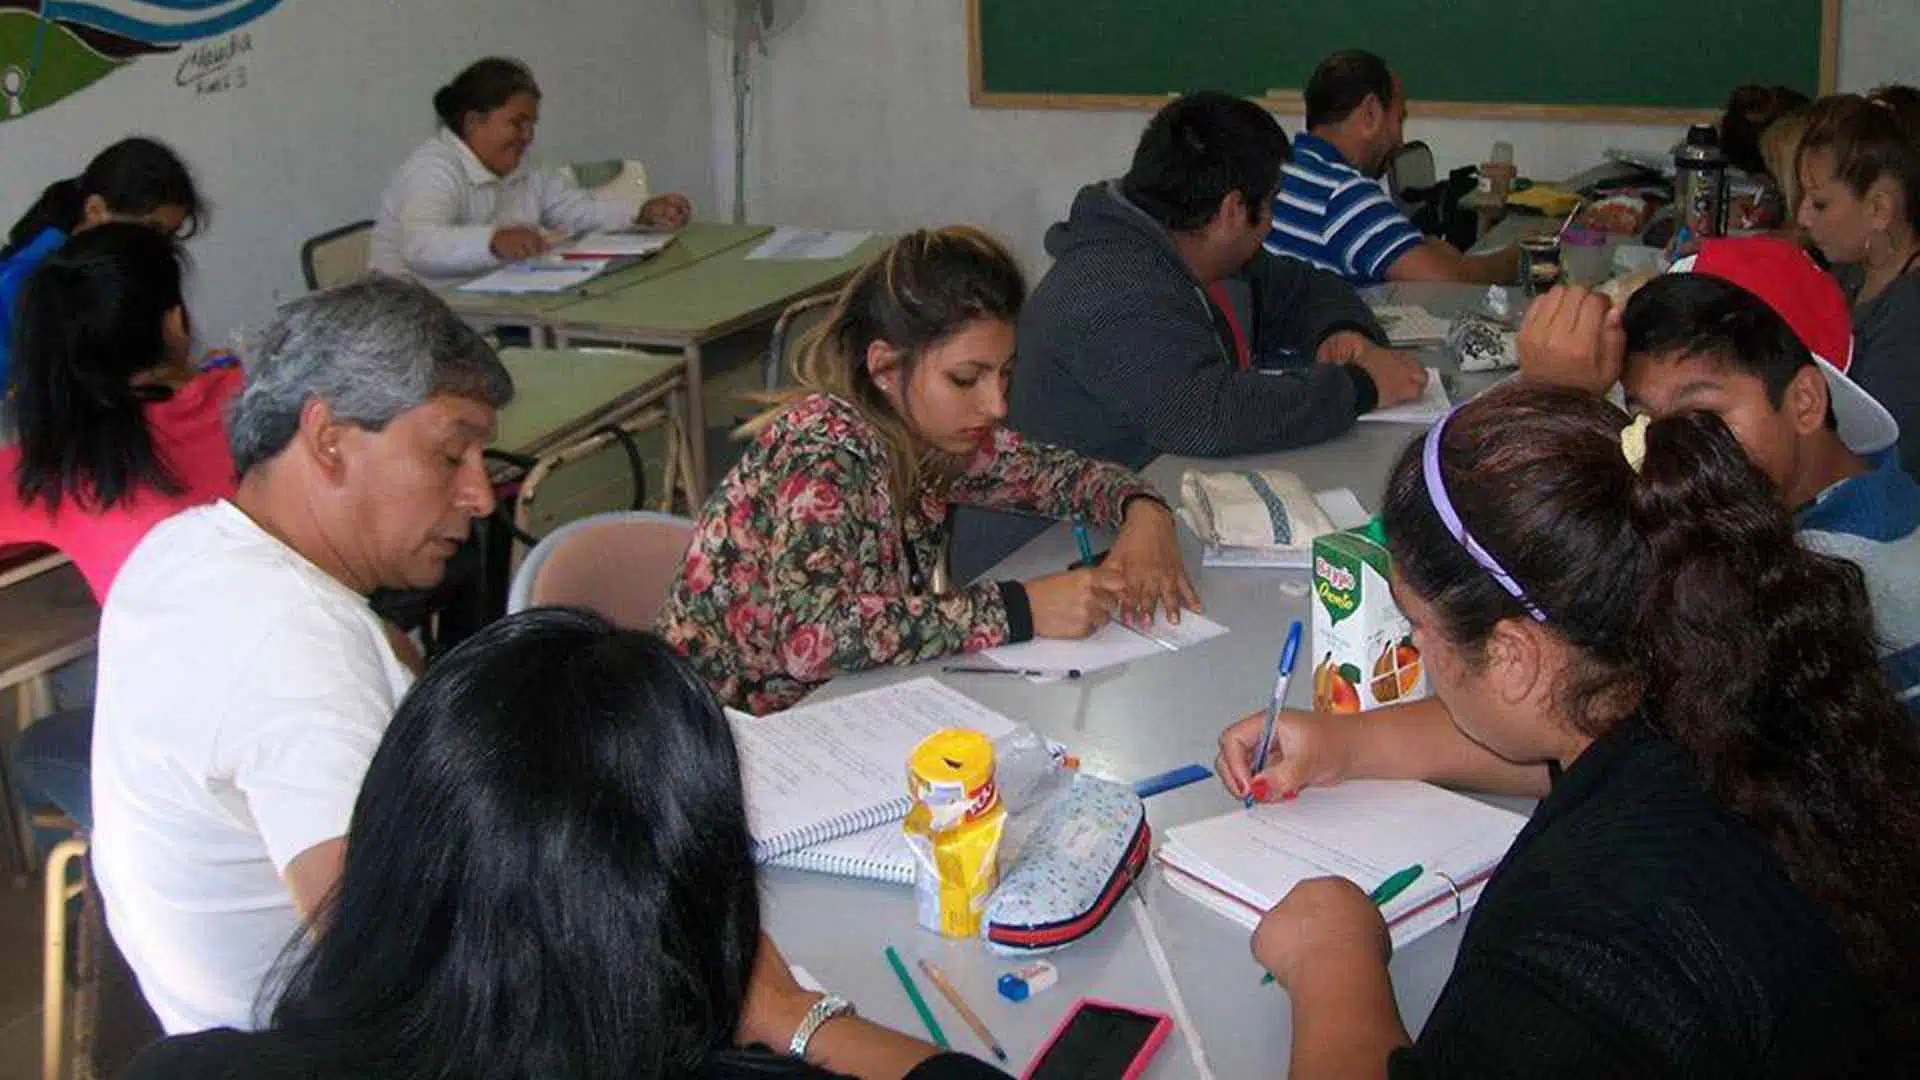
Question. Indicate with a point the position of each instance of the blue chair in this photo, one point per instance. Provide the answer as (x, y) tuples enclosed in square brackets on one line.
[(52, 760)]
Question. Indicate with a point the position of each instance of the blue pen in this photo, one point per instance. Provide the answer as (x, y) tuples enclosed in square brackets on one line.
[(1086, 543), (1287, 655), (1171, 779)]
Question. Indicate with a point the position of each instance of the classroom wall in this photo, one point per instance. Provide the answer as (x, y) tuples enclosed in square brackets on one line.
[(339, 91), (862, 120)]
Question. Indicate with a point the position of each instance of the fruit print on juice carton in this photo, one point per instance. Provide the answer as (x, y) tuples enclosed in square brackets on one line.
[(1365, 656)]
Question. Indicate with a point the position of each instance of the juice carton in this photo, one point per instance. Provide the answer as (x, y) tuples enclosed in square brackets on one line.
[(1363, 650), (954, 829)]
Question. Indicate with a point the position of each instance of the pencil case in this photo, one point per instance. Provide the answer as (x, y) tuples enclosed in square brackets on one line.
[(1091, 844)]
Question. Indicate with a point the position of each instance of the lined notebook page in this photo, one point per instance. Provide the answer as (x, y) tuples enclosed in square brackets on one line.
[(1362, 830), (821, 771)]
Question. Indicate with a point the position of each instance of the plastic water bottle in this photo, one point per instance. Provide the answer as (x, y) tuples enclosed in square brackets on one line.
[(1700, 185)]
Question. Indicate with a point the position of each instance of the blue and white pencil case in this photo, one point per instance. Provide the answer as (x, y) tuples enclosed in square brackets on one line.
[(1092, 844)]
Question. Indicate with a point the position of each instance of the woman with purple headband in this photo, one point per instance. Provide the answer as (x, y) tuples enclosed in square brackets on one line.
[(1720, 879)]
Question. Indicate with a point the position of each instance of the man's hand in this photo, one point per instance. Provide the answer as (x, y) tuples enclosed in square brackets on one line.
[(1573, 337)]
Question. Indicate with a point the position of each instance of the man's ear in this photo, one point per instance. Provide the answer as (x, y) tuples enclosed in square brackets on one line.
[(1807, 399), (321, 438)]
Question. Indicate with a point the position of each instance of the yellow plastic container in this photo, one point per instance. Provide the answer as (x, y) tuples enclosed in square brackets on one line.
[(954, 829)]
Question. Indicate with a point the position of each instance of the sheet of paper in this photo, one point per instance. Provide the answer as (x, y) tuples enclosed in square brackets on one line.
[(825, 761), (1432, 405), (545, 275), (1406, 324), (618, 245), (1342, 508), (789, 243), (1111, 646)]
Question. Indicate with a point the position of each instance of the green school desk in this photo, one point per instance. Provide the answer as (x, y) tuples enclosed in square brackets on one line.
[(565, 399), (686, 309), (700, 240)]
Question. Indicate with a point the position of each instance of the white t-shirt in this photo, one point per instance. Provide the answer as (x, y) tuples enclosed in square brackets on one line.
[(242, 694)]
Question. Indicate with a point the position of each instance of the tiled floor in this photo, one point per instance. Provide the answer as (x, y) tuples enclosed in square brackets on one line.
[(20, 947), (733, 369)]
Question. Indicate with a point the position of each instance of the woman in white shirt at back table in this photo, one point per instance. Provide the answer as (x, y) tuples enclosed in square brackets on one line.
[(468, 200)]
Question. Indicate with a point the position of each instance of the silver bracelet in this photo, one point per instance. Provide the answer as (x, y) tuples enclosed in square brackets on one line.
[(828, 1007)]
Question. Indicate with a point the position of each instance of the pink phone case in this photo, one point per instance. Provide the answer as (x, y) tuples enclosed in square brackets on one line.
[(1162, 1025)]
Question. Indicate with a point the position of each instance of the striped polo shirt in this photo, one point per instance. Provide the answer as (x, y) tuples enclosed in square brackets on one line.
[(1329, 215), (1873, 520)]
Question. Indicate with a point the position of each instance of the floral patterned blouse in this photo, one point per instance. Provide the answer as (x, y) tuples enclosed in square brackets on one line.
[(800, 567)]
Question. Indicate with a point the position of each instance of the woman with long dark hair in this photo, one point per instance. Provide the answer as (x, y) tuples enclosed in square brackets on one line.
[(549, 874), (135, 180), (115, 428), (1720, 881)]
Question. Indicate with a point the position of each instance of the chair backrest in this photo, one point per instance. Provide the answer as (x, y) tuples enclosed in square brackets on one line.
[(619, 565), (1412, 169), (783, 348), (337, 257), (624, 180)]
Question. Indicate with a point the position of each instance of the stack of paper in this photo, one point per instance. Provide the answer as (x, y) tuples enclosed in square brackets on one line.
[(625, 244), (1409, 325), (551, 274)]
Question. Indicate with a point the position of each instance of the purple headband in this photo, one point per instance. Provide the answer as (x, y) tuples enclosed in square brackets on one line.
[(1437, 494)]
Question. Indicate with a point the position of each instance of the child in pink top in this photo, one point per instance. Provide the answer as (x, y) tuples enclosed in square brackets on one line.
[(115, 430)]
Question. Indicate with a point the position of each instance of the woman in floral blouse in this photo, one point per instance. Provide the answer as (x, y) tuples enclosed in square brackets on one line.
[(817, 553)]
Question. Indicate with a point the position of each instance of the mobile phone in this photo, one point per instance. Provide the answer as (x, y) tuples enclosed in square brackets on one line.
[(1099, 1040)]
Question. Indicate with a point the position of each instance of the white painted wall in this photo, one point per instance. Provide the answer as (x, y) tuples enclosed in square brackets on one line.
[(863, 120), (339, 91)]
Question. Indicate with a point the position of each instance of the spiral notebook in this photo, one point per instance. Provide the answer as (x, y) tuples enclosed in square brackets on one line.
[(1244, 862), (877, 854), (827, 770)]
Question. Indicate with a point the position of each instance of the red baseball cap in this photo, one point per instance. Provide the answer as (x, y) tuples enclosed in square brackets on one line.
[(1787, 280)]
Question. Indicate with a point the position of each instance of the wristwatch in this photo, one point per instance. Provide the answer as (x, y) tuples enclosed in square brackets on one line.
[(828, 1007)]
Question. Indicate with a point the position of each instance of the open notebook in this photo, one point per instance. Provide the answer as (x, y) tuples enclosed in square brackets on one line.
[(823, 771), (1243, 863)]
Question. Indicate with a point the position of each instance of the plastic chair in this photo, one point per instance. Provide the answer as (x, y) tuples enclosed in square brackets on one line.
[(619, 565), (337, 257), (783, 348), (1412, 171), (624, 180)]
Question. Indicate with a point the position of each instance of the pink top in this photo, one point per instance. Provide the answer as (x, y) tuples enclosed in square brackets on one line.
[(189, 430)]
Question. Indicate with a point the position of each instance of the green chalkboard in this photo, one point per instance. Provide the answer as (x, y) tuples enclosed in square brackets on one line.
[(1554, 58)]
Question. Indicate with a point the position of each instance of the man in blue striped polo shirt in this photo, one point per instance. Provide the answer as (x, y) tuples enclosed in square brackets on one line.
[(1332, 212)]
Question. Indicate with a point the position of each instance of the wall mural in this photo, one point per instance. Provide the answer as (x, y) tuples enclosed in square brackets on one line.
[(50, 49)]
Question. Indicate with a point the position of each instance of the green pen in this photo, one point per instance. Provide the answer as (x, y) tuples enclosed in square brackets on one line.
[(1395, 885), (1383, 894)]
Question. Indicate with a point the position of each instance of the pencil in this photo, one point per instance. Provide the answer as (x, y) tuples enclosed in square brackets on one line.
[(919, 1003), (960, 1006)]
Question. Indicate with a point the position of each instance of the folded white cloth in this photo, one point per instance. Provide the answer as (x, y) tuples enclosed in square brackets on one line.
[(1268, 508)]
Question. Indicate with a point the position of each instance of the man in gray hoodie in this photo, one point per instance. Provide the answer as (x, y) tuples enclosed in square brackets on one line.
[(1164, 328)]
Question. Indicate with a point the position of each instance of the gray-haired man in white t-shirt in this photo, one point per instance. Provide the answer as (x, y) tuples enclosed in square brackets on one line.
[(244, 680)]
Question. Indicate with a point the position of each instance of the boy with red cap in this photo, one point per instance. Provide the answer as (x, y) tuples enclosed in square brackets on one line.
[(1749, 329)]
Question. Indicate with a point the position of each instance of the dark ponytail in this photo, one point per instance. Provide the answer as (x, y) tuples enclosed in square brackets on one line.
[(1685, 586), (134, 177), (483, 87), (91, 318)]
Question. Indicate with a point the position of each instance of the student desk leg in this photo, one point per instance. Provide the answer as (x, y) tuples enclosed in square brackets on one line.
[(696, 424)]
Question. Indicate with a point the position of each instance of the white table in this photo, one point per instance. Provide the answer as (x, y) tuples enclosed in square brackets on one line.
[(1128, 724)]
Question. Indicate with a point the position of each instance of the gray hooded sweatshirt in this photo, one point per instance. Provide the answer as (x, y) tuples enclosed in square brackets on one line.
[(1122, 357)]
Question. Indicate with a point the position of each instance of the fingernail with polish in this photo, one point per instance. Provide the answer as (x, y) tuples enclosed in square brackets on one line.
[(1259, 788)]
